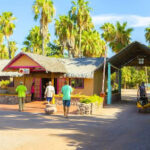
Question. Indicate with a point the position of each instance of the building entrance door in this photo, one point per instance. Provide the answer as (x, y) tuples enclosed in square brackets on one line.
[(44, 84)]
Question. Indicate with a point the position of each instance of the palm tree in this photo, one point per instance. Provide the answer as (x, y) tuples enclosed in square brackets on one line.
[(64, 29), (147, 34), (122, 37), (80, 13), (33, 42), (55, 49), (108, 35), (45, 10), (1, 37), (3, 52), (92, 44), (13, 48), (7, 26), (3, 48), (117, 36), (108, 32)]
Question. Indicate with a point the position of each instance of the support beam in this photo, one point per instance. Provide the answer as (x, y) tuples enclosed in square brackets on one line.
[(109, 94), (119, 81), (115, 67)]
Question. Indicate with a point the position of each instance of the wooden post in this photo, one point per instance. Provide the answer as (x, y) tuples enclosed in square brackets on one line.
[(119, 81), (103, 81), (102, 94), (109, 94), (52, 79)]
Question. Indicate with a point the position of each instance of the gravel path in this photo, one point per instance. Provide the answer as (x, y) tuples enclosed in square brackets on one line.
[(118, 127)]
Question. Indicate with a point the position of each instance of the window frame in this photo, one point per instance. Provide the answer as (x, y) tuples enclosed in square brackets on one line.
[(76, 79)]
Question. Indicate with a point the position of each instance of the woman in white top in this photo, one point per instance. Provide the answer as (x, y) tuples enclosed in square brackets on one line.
[(49, 92)]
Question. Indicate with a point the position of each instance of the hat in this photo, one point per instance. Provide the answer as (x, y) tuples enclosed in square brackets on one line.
[(21, 82)]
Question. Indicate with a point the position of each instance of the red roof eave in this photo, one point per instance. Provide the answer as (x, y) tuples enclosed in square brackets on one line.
[(17, 57)]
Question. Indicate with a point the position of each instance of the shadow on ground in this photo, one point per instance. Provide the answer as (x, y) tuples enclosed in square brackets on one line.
[(123, 130)]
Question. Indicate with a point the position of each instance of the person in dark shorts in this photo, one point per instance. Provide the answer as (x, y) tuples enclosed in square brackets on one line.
[(142, 94), (66, 90), (49, 92)]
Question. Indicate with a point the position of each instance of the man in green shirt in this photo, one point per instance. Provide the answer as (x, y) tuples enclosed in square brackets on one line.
[(66, 90), (21, 90)]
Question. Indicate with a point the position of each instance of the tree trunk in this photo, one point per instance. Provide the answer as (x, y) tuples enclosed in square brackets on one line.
[(104, 68), (69, 53), (43, 53), (80, 52), (9, 52)]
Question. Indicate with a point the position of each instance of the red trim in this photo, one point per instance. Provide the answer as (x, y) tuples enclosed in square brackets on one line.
[(17, 57), (24, 67), (13, 60)]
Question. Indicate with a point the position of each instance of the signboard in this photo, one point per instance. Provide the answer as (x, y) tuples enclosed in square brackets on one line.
[(24, 70)]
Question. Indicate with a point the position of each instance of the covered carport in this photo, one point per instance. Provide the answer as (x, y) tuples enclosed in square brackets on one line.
[(135, 54)]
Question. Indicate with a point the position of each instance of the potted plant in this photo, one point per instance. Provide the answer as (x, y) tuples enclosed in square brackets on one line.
[(90, 104)]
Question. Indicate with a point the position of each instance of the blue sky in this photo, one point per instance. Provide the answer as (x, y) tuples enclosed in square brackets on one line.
[(135, 12)]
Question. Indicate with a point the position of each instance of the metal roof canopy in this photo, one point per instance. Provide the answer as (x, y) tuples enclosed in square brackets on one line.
[(129, 56)]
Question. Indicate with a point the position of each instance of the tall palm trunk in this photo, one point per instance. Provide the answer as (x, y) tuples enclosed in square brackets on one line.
[(69, 53), (9, 51), (43, 43), (104, 68), (80, 52), (42, 30)]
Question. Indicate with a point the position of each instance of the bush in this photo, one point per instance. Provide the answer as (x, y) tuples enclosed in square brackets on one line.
[(4, 83), (92, 99)]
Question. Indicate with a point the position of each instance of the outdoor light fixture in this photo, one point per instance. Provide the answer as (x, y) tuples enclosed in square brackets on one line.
[(141, 61)]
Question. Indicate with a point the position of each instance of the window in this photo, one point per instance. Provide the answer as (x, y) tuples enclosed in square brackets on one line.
[(77, 83), (141, 61)]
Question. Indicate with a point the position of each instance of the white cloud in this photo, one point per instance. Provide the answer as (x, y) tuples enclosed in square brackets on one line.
[(133, 20)]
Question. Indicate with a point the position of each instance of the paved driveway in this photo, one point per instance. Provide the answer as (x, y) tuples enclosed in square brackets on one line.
[(117, 127), (131, 94)]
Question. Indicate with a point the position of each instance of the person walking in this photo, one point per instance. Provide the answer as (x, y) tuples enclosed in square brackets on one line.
[(21, 90), (142, 94), (49, 92), (32, 91), (66, 90)]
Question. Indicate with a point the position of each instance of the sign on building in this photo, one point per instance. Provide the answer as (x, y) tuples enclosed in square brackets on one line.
[(24, 70)]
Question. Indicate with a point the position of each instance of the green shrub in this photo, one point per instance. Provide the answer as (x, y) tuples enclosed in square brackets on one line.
[(4, 83), (92, 99), (85, 100)]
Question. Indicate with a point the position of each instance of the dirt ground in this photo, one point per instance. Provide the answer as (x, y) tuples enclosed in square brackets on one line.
[(37, 107), (117, 126), (131, 94)]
